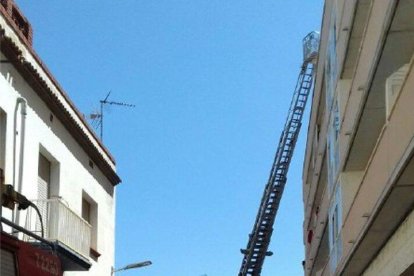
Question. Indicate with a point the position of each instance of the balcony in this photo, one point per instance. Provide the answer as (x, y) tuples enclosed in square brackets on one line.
[(61, 225)]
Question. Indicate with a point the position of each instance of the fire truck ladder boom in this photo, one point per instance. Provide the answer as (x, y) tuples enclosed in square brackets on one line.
[(259, 239)]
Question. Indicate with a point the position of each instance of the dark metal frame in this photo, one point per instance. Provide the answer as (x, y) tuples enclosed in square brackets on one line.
[(257, 246)]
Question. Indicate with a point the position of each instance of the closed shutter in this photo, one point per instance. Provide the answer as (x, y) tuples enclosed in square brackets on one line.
[(2, 138), (42, 204), (8, 263), (43, 187), (44, 178)]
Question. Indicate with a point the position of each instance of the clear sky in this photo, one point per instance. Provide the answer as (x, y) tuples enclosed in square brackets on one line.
[(212, 82)]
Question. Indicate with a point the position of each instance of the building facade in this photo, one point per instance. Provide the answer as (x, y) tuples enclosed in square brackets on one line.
[(358, 177), (49, 154)]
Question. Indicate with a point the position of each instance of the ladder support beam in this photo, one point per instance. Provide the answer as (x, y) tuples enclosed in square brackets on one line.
[(259, 240)]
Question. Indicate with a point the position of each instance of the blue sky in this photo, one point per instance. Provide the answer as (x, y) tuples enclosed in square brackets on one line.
[(212, 82)]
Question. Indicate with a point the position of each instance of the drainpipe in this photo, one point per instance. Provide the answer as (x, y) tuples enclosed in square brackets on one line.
[(23, 112)]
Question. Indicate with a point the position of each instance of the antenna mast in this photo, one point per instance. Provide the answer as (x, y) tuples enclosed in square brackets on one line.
[(99, 116)]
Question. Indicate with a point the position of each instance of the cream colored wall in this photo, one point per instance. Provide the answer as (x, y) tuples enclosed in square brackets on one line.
[(352, 94), (350, 182), (75, 175), (383, 166), (397, 254)]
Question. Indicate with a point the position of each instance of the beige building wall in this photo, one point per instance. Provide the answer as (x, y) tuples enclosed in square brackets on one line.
[(397, 254), (357, 175)]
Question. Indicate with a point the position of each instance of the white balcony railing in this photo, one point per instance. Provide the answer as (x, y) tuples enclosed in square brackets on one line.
[(61, 224)]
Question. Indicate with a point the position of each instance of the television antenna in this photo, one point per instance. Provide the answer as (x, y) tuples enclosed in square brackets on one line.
[(98, 116)]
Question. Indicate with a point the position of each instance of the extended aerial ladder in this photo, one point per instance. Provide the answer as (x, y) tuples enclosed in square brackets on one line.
[(259, 239)]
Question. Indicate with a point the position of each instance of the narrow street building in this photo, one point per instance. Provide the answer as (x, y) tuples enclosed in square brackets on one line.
[(358, 178), (49, 154)]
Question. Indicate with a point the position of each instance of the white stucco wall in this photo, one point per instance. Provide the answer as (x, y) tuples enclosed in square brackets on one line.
[(74, 174)]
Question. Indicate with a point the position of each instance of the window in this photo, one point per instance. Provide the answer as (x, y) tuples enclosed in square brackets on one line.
[(48, 175), (332, 106), (333, 147), (46, 187), (90, 214), (315, 146), (335, 226), (393, 86), (43, 193), (331, 71), (43, 187), (86, 210)]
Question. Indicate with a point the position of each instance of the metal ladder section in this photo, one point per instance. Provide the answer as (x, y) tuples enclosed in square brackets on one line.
[(259, 239)]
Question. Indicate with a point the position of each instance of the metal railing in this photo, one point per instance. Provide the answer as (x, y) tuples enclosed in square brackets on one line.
[(311, 45), (60, 224)]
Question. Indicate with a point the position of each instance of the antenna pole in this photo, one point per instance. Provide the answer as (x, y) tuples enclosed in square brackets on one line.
[(101, 121), (100, 116)]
